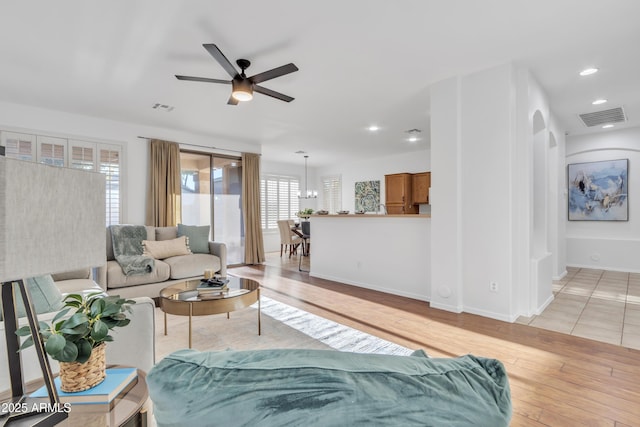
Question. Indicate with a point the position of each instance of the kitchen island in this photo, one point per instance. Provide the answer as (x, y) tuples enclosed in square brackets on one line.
[(388, 253)]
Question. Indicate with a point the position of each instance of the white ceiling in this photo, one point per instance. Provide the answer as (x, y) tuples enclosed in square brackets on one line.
[(361, 62)]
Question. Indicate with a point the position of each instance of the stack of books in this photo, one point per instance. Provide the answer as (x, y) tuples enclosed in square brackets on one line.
[(116, 384), (212, 288)]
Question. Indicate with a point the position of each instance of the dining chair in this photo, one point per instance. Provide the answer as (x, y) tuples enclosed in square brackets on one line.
[(306, 242), (287, 238)]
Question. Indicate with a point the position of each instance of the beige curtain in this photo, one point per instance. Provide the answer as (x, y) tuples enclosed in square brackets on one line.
[(253, 243), (163, 197)]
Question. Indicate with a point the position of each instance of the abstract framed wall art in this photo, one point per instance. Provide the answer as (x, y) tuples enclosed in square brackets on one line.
[(598, 191), (367, 196)]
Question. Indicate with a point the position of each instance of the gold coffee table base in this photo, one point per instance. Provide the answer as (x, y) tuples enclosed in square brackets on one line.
[(182, 299)]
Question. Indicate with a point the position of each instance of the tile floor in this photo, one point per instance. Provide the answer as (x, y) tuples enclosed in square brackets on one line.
[(597, 304)]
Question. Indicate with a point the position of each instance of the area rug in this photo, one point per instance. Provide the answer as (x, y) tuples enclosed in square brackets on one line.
[(335, 335), (283, 326)]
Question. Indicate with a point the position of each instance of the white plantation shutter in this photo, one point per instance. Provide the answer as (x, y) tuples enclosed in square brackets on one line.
[(19, 146), (109, 164), (94, 156), (279, 199), (332, 193), (51, 151), (82, 155)]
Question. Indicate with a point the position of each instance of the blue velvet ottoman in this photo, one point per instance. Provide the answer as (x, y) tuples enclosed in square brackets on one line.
[(327, 388)]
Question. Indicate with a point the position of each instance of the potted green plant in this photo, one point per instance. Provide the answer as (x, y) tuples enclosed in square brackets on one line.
[(304, 213), (78, 342)]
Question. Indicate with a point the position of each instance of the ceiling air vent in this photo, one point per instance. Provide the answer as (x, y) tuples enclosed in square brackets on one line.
[(597, 118)]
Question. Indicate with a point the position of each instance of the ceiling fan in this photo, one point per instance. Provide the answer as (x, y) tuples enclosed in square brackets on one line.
[(243, 86)]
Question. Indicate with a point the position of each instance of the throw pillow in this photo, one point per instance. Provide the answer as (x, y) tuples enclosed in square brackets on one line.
[(198, 237), (45, 296), (161, 249)]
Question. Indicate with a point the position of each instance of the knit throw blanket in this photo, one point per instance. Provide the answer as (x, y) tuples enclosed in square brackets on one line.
[(127, 249)]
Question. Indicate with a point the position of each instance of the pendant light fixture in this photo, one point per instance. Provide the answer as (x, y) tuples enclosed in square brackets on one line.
[(308, 194), (242, 90)]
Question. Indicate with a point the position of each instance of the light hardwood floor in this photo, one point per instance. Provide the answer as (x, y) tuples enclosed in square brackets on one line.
[(556, 379)]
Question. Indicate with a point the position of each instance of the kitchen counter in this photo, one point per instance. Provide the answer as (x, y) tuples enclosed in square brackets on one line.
[(388, 253), (373, 216)]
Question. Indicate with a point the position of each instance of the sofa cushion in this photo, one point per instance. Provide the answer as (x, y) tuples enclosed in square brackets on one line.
[(85, 273), (192, 265), (117, 279), (45, 296), (327, 388), (198, 237), (78, 286), (166, 233), (161, 249)]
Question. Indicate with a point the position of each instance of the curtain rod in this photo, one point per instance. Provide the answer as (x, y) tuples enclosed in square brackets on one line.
[(201, 146)]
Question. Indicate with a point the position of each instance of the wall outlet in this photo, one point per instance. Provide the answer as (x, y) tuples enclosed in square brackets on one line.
[(493, 286)]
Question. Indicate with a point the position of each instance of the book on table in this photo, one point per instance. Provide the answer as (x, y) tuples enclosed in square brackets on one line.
[(207, 289), (118, 381), (213, 283)]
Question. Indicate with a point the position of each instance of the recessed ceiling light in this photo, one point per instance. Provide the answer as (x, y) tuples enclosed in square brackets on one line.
[(607, 126), (599, 101), (373, 128), (413, 135), (588, 71)]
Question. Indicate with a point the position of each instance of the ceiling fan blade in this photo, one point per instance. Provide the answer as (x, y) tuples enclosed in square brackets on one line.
[(273, 73), (202, 79), (219, 56), (272, 93), (232, 101)]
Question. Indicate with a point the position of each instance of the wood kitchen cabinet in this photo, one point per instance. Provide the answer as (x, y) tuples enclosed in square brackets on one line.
[(421, 183), (399, 194)]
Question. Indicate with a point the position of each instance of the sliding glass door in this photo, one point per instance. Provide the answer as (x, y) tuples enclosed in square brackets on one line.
[(211, 192)]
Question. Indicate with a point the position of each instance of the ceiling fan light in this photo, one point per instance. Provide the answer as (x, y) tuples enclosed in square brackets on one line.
[(242, 90)]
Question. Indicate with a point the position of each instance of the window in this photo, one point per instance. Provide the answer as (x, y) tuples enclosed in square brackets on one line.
[(211, 194), (109, 164), (279, 199), (332, 193), (93, 156), (82, 155), (19, 146), (51, 151)]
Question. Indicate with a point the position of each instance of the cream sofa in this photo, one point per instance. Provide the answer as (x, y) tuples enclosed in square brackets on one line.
[(167, 271), (133, 345)]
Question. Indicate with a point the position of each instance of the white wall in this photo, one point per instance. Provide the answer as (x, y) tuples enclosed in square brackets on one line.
[(22, 118), (606, 244), (486, 115), (386, 253), (471, 213), (445, 197), (482, 194)]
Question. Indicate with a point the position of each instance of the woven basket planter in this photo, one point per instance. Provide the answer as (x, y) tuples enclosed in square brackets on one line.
[(76, 376)]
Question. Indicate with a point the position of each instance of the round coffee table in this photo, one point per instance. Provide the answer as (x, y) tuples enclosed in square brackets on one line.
[(182, 299)]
